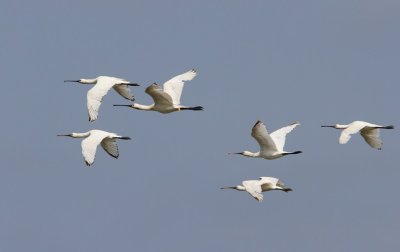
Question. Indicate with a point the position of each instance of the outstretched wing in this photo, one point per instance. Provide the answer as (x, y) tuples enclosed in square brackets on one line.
[(352, 129), (371, 136), (110, 146), (159, 96), (174, 86), (89, 147), (260, 133), (279, 136), (267, 183), (124, 91), (254, 189), (95, 96)]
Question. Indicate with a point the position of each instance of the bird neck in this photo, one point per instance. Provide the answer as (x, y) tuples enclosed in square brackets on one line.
[(250, 154), (88, 81), (80, 135), (240, 188), (336, 126), (341, 126), (142, 107)]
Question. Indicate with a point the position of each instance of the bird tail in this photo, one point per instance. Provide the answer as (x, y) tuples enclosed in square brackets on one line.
[(389, 127), (125, 138), (197, 108)]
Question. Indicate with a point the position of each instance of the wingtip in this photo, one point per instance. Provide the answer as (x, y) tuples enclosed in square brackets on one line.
[(133, 84), (258, 122), (91, 119)]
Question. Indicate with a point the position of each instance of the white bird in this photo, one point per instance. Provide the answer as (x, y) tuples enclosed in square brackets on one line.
[(369, 131), (102, 85), (256, 187), (271, 145), (95, 137), (167, 100)]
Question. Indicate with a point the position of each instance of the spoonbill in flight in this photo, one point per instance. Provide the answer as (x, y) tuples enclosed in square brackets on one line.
[(256, 187), (271, 145), (369, 131), (167, 100), (102, 85), (95, 137)]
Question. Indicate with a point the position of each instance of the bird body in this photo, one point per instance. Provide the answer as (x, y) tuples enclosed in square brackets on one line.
[(102, 85), (167, 100), (271, 145), (95, 137), (263, 184), (369, 131)]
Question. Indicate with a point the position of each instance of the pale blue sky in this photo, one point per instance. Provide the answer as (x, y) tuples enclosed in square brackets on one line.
[(317, 62)]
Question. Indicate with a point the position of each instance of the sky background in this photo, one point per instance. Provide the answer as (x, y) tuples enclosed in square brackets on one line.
[(317, 62)]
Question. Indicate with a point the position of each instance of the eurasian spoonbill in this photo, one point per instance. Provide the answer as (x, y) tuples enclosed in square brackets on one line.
[(369, 131), (263, 184), (95, 137), (167, 100), (102, 85), (271, 145)]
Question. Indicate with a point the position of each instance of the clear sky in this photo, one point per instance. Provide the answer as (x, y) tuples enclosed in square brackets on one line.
[(317, 62)]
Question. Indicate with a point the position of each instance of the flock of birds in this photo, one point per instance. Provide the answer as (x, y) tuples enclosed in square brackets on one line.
[(167, 100)]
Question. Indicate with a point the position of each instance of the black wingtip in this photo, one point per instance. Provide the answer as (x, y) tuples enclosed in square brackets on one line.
[(289, 153), (125, 138), (197, 108), (258, 122), (389, 127)]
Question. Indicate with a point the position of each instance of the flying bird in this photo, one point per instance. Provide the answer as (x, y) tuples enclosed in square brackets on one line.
[(271, 145), (102, 85), (263, 184), (369, 131), (95, 137), (167, 100)]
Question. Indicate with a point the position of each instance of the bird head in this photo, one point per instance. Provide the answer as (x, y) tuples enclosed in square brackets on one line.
[(84, 81)]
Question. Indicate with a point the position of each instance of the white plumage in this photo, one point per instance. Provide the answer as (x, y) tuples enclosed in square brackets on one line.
[(369, 131), (95, 137), (167, 100), (263, 184), (271, 145), (102, 85)]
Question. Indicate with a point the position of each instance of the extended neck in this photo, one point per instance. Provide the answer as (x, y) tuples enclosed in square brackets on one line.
[(238, 187), (136, 106), (142, 107), (77, 135), (84, 81), (249, 154), (336, 126)]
